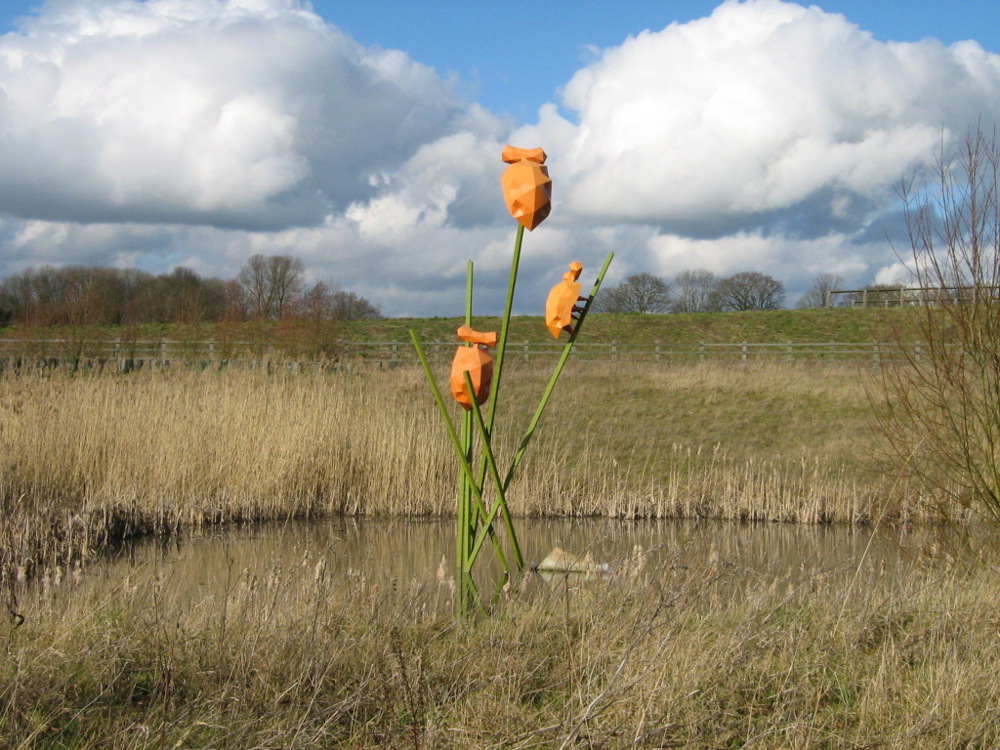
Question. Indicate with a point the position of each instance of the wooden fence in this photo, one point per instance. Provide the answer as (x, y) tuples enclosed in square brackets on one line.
[(134, 355)]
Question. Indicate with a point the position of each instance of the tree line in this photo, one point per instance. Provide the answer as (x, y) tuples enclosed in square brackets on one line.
[(691, 291), (268, 287), (699, 290)]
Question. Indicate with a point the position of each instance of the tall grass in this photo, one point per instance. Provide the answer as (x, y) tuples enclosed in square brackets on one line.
[(87, 460), (665, 656)]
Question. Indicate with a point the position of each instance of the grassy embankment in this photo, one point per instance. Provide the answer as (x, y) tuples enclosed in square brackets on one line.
[(303, 337)]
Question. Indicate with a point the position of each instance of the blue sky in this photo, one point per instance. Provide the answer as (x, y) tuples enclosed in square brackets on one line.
[(761, 135), (477, 40)]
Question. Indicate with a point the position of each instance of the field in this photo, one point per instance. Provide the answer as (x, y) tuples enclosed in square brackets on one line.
[(657, 656)]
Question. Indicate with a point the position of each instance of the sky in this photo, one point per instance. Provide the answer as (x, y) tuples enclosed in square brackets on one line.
[(365, 137)]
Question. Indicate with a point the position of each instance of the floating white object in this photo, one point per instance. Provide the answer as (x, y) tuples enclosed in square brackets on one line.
[(561, 561)]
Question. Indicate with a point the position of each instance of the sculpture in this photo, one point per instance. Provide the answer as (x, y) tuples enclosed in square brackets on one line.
[(476, 379), (475, 360), (527, 188), (560, 307)]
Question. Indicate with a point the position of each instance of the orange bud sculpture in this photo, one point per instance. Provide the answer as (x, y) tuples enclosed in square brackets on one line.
[(527, 187), (561, 303), (477, 362)]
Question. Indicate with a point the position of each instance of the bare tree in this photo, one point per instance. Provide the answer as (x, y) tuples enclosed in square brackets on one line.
[(256, 289), (271, 284), (350, 306), (750, 290), (268, 288), (640, 293), (939, 405), (693, 292), (819, 293), (284, 278), (316, 303), (321, 303)]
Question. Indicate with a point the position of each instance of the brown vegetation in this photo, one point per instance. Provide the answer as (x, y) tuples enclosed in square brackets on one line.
[(89, 459), (655, 657), (267, 288), (940, 403)]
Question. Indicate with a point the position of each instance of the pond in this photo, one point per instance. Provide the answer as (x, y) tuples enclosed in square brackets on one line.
[(199, 566)]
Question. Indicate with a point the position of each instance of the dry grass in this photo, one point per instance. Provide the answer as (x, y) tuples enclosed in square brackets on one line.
[(301, 656), (654, 657), (87, 460)]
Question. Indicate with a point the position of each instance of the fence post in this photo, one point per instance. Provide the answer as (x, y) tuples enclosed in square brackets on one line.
[(657, 351), (394, 361), (875, 352), (163, 352), (525, 351), (916, 351), (743, 352), (614, 351)]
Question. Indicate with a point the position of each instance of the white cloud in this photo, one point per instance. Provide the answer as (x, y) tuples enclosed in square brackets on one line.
[(894, 273), (231, 113), (761, 108), (767, 136)]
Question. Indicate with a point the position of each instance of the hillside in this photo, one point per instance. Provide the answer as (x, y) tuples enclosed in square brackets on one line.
[(800, 326), (806, 326)]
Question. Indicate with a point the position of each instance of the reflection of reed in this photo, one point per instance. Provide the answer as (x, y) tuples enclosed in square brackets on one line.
[(87, 460), (411, 553)]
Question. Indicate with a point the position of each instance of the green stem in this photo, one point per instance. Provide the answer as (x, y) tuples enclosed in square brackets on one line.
[(564, 357), (499, 359), (556, 373), (495, 475), (504, 328), (457, 445), (465, 526)]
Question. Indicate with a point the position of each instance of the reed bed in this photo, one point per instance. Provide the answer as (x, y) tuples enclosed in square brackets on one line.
[(656, 656), (88, 460)]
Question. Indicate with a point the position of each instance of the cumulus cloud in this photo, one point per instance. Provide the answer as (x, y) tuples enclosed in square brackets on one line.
[(762, 109), (246, 113), (767, 136)]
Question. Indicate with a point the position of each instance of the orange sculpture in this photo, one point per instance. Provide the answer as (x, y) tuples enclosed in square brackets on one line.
[(561, 303), (477, 362), (527, 187)]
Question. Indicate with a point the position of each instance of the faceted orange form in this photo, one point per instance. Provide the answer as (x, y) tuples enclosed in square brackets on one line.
[(527, 187), (477, 362), (561, 303)]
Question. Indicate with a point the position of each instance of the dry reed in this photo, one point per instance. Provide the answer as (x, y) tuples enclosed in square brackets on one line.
[(657, 656), (88, 460)]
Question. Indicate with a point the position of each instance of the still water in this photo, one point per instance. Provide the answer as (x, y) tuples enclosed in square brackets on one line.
[(406, 552)]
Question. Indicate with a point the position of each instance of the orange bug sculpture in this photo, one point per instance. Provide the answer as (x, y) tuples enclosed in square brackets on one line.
[(475, 360), (527, 187), (560, 307)]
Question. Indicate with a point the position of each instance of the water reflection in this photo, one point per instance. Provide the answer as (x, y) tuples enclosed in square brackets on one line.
[(209, 564)]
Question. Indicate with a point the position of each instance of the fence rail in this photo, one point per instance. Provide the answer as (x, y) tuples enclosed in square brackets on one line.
[(126, 356)]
